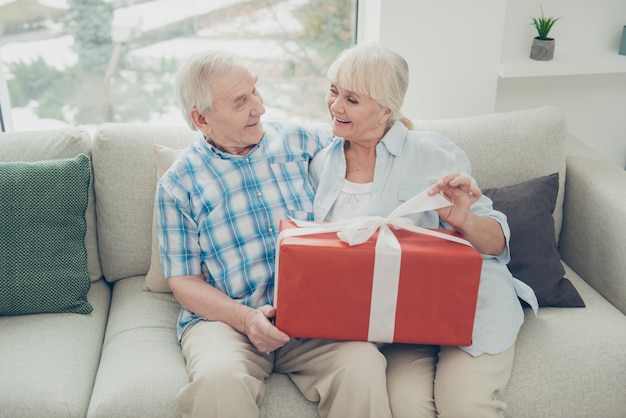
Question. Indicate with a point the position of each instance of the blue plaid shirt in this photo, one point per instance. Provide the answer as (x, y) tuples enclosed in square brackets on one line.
[(219, 213)]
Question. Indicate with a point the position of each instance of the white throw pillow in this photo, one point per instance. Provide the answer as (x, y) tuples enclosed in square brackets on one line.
[(154, 282)]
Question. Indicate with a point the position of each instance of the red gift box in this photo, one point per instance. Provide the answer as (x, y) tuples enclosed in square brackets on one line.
[(324, 288)]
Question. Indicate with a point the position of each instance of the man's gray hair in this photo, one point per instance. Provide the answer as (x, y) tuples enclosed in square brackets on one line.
[(194, 77)]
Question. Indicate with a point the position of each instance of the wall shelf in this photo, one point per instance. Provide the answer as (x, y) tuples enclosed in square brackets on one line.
[(564, 63)]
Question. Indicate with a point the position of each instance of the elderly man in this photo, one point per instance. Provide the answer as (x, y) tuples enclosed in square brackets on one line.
[(219, 207)]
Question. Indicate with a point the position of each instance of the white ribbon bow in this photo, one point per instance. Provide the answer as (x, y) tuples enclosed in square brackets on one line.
[(386, 278)]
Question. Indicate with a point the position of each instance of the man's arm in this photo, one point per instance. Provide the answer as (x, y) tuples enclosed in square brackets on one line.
[(199, 297)]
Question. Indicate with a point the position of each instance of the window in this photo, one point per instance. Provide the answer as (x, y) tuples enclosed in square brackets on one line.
[(85, 62)]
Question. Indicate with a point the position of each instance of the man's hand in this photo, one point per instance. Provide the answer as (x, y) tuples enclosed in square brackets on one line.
[(261, 332), (206, 301)]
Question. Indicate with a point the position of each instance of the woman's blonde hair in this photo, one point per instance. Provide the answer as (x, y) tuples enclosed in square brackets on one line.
[(376, 72), (194, 77)]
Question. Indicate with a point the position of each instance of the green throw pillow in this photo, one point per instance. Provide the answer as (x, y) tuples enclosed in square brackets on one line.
[(43, 260)]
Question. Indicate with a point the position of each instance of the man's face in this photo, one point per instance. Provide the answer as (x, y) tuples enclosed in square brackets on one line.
[(234, 125)]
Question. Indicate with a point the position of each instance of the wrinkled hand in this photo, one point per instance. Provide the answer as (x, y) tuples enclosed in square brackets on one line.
[(460, 192), (261, 332)]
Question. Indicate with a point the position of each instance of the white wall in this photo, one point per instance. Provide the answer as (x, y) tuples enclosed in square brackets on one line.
[(591, 91), (456, 50), (584, 25), (453, 58), (594, 107)]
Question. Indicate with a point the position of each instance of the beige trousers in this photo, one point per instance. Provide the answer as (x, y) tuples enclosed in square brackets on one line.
[(446, 382), (227, 374)]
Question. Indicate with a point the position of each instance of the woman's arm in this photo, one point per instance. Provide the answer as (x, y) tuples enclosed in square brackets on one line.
[(483, 232)]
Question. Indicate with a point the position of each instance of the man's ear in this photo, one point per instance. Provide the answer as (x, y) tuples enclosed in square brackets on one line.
[(200, 121)]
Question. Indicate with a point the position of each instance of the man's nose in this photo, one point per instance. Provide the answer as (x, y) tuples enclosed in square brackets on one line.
[(257, 106)]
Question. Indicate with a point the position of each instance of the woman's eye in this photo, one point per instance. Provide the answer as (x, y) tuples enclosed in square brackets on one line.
[(351, 100)]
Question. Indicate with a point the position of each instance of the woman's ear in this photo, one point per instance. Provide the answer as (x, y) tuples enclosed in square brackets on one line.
[(384, 117)]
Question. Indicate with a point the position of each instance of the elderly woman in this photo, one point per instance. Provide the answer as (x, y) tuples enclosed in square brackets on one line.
[(375, 164)]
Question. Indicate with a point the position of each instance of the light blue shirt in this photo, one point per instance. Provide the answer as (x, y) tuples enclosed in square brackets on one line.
[(407, 163), (219, 214)]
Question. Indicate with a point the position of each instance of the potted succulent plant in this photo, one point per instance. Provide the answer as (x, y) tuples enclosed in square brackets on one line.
[(542, 48)]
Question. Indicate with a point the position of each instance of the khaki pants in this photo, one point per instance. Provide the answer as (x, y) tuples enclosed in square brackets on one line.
[(227, 374), (434, 381)]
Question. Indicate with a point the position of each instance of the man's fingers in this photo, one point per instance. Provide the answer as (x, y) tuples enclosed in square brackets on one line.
[(268, 310)]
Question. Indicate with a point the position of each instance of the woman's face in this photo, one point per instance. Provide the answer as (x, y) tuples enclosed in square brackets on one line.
[(356, 117)]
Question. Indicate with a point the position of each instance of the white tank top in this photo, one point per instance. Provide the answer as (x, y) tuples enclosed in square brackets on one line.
[(353, 201)]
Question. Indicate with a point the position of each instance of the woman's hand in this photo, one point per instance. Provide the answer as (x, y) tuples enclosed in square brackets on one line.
[(459, 191), (483, 232)]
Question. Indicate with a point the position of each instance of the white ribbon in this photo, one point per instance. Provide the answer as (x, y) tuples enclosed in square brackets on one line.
[(386, 278)]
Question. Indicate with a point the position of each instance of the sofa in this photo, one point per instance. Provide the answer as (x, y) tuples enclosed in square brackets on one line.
[(122, 359)]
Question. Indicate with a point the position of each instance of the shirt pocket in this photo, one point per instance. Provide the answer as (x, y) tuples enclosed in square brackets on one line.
[(296, 190), (429, 219), (407, 192)]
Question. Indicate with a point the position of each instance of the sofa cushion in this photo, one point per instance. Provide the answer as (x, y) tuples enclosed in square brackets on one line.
[(142, 367), (49, 361), (124, 181), (51, 144), (163, 157), (43, 260), (570, 362), (511, 147), (535, 258)]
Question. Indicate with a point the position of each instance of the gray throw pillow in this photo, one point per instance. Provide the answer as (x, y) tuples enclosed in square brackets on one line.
[(43, 260), (535, 258)]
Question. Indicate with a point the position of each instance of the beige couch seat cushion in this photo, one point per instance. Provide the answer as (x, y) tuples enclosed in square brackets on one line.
[(49, 361), (576, 353), (142, 367)]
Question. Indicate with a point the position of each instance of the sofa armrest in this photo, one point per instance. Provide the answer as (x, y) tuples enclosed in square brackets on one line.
[(593, 237)]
